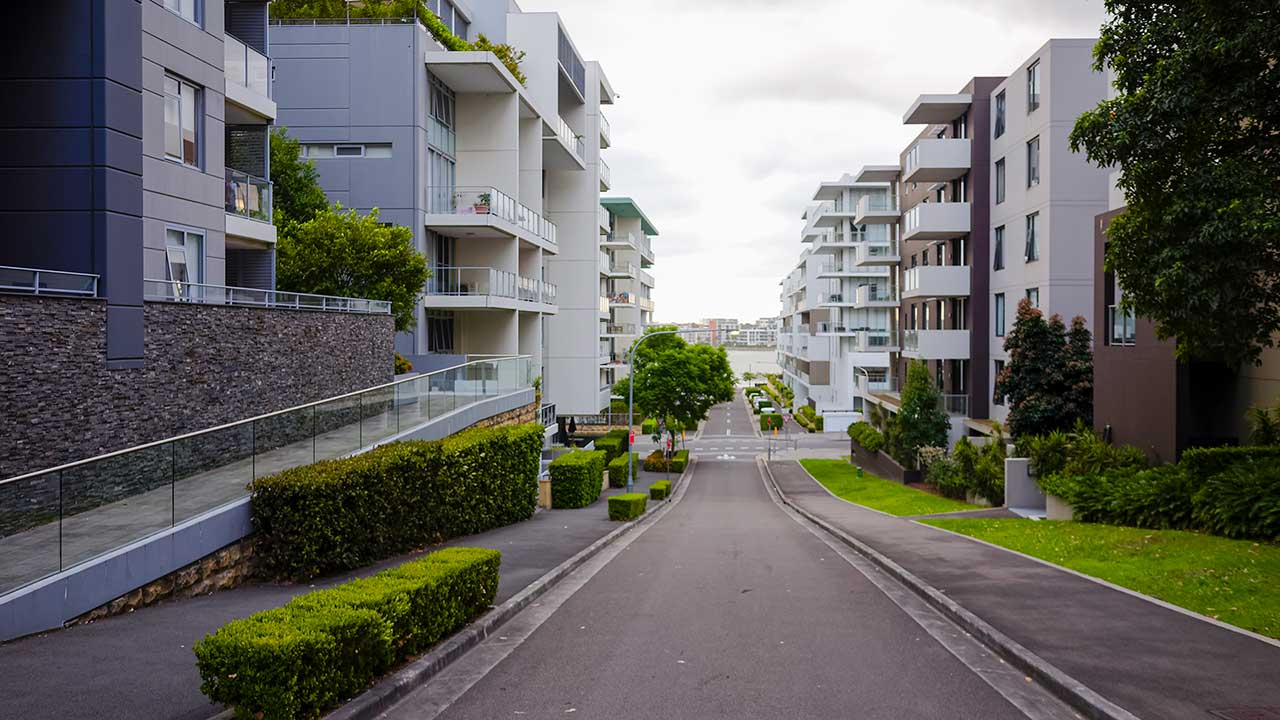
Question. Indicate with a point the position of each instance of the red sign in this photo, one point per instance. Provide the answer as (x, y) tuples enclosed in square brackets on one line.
[(632, 437)]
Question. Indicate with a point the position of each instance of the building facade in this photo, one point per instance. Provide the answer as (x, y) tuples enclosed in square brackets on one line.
[(625, 290)]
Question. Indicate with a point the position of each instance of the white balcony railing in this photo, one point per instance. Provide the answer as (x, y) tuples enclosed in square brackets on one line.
[(936, 281), (605, 131), (570, 138), (473, 281), (445, 200), (605, 176), (603, 214)]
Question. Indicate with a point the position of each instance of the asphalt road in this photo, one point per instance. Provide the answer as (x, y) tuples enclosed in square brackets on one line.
[(727, 608)]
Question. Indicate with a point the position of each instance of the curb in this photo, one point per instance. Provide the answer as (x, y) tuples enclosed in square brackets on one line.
[(1068, 689), (384, 695)]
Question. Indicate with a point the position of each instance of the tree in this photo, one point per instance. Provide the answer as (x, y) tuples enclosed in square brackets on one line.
[(295, 183), (1078, 372), (920, 422), (343, 253), (1049, 379), (677, 382), (1195, 130)]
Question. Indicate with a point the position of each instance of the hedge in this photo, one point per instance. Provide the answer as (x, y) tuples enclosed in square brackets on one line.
[(656, 461), (867, 436), (611, 446), (1208, 462), (342, 514), (576, 478), (649, 426), (618, 469), (326, 646), (770, 421), (627, 506), (660, 490)]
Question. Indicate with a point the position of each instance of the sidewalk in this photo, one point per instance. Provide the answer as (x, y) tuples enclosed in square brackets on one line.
[(141, 664), (1152, 661)]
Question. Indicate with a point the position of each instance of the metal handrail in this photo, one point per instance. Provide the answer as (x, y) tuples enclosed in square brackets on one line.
[(205, 294), (34, 287), (256, 418)]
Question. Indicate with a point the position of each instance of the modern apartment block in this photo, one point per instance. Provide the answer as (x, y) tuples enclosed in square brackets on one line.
[(625, 291), (986, 206), (135, 148), (499, 179)]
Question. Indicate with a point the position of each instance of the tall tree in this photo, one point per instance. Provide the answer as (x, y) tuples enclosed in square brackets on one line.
[(679, 382), (1195, 130), (346, 254), (1049, 379), (295, 183), (1078, 372), (921, 421)]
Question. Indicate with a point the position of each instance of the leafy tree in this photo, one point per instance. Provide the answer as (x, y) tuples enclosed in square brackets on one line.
[(677, 381), (346, 254), (1049, 379), (295, 183), (1078, 372), (1195, 130), (920, 422)]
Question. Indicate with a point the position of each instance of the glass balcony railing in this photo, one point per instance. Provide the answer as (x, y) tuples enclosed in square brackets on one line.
[(645, 304), (603, 307), (471, 281), (246, 67), (603, 214), (570, 138), (441, 137), (444, 200), (622, 298), (621, 329), (605, 173), (47, 282), (622, 268), (202, 294), (248, 196), (605, 131)]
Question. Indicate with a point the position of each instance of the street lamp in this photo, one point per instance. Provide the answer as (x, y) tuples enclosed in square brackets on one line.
[(631, 398)]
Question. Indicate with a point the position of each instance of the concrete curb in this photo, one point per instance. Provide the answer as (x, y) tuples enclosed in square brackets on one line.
[(1068, 689), (384, 695)]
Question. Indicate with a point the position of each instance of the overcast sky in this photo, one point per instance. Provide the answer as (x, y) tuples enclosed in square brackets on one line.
[(732, 111)]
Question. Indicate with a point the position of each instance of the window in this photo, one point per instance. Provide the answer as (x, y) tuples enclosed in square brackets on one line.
[(1033, 86), (999, 314), (1033, 162), (1033, 297), (1000, 181), (187, 9), (1000, 114), (1033, 239), (348, 151), (184, 259), (999, 368), (181, 131), (999, 251), (330, 150)]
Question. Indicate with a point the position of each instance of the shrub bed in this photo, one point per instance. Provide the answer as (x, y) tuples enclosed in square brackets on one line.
[(660, 490), (618, 469), (770, 421), (656, 461), (326, 646), (868, 437), (576, 478), (341, 514), (627, 506)]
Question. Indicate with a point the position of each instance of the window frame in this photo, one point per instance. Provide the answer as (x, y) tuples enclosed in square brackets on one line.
[(1031, 252), (1033, 296), (197, 11), (1001, 314), (197, 115), (196, 263), (998, 248), (998, 367), (1033, 87), (1000, 113), (1033, 179), (1002, 180), (337, 146)]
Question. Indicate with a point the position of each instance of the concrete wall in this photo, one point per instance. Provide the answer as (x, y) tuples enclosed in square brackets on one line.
[(205, 366)]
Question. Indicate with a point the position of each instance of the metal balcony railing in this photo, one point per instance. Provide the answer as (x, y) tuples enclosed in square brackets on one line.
[(245, 66), (605, 130), (605, 175), (469, 281), (248, 196), (203, 294), (571, 139), (445, 200), (32, 281)]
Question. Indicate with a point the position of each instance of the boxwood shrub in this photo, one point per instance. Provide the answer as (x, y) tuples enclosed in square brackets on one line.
[(867, 436), (576, 478), (656, 461), (341, 514), (618, 469), (627, 506), (660, 490), (323, 647), (770, 421), (649, 426), (611, 446)]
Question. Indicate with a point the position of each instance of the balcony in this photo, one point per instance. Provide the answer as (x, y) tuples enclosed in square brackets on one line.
[(869, 255), (484, 288), (936, 221), (936, 344), (937, 160), (830, 216), (622, 299), (876, 210), (646, 280), (875, 296), (868, 385), (248, 83), (604, 264), (30, 281), (877, 340), (603, 216), (485, 212), (621, 330), (834, 329), (645, 303), (201, 294), (604, 131), (605, 174), (620, 241), (932, 109), (603, 307), (646, 251), (564, 148), (836, 268), (248, 205), (620, 269), (936, 281)]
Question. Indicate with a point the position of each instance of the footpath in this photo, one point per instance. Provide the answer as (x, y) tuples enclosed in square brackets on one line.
[(1150, 660), (141, 665)]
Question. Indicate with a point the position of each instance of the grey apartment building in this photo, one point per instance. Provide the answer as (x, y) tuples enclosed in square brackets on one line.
[(134, 149)]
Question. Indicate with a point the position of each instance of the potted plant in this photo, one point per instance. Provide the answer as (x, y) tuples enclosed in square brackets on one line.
[(482, 204)]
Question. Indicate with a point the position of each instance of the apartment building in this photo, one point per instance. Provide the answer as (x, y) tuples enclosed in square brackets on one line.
[(626, 287), (142, 164), (763, 333)]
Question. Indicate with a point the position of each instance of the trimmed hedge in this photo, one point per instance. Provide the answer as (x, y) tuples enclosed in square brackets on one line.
[(576, 478), (656, 461), (1207, 462), (627, 506), (342, 514), (866, 436), (611, 447), (660, 490), (323, 647), (649, 426), (618, 469), (770, 421)]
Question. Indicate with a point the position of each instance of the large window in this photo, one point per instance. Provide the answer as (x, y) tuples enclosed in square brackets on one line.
[(184, 257), (1033, 161), (999, 368), (999, 314), (1000, 181), (1033, 237), (181, 121), (1000, 114), (1033, 86), (189, 9), (999, 252)]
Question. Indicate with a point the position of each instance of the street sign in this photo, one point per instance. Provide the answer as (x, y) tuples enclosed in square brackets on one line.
[(631, 438)]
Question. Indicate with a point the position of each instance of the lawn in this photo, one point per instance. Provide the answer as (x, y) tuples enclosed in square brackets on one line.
[(1233, 581), (842, 479)]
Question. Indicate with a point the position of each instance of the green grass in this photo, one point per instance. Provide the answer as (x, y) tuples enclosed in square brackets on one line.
[(1233, 581), (841, 478)]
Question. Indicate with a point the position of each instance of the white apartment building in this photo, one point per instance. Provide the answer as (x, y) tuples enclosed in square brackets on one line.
[(625, 288)]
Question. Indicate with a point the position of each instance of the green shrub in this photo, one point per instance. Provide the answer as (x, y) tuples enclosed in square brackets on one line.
[(680, 461), (649, 426), (770, 421), (988, 471), (402, 364), (618, 469), (323, 647), (611, 446), (944, 474), (1047, 453), (1159, 498), (341, 514), (1205, 463), (576, 478), (627, 506), (656, 461), (1242, 502), (868, 437), (660, 490)]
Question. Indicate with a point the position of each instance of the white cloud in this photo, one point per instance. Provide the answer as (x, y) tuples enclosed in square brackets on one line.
[(732, 112)]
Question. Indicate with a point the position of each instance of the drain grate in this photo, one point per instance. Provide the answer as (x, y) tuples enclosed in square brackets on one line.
[(1271, 712)]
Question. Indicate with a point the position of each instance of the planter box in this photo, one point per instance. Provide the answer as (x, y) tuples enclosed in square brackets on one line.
[(881, 464), (1055, 508)]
